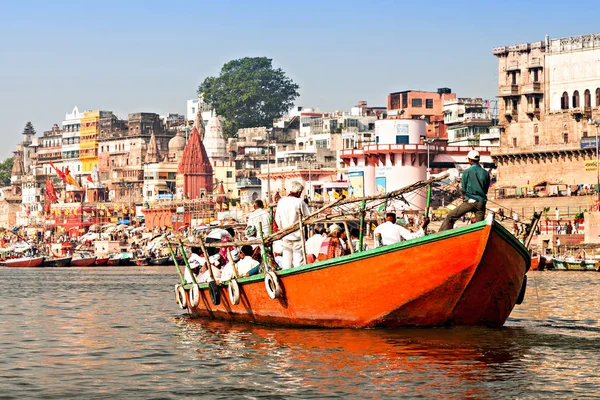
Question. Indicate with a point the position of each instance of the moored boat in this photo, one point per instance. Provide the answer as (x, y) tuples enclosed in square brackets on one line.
[(159, 260), (57, 262), (467, 276), (24, 262), (83, 261), (559, 263), (103, 260), (140, 261), (114, 260)]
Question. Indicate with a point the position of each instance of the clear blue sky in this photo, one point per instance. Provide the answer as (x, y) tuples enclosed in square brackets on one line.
[(131, 56)]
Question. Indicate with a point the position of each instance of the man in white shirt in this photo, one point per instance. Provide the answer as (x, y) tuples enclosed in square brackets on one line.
[(392, 233), (196, 262), (244, 264), (313, 244), (214, 261), (260, 214), (286, 216)]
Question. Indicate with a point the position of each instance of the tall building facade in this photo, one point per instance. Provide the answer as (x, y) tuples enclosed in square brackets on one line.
[(88, 142), (548, 93)]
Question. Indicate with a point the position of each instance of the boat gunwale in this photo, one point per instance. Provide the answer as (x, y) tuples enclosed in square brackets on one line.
[(495, 226)]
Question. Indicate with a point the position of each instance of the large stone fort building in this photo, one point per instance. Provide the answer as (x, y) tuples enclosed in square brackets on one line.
[(549, 97)]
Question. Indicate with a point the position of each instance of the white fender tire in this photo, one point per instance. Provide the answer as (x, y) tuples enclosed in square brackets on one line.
[(272, 285), (234, 292), (194, 295), (177, 293), (182, 298)]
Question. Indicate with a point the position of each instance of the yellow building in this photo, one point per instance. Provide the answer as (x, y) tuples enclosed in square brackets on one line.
[(88, 142)]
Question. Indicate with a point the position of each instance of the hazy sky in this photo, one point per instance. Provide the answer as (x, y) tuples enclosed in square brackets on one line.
[(132, 56)]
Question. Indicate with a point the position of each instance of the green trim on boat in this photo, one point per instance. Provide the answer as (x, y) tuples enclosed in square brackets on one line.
[(496, 227)]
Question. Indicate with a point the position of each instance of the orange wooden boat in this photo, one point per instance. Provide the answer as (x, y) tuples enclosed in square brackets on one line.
[(466, 276)]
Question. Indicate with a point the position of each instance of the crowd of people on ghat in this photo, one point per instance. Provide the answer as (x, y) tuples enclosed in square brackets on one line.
[(320, 242)]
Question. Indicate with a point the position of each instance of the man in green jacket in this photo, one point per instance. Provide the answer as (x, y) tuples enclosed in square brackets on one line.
[(474, 186)]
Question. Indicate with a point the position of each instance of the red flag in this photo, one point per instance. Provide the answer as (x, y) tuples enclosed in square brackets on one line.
[(90, 179), (61, 174), (50, 192), (65, 176)]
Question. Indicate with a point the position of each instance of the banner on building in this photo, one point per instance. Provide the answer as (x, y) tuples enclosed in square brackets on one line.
[(380, 184), (357, 183), (590, 166)]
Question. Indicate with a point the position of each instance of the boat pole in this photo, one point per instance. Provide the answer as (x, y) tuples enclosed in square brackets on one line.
[(233, 266), (361, 234), (428, 202), (175, 261), (187, 263), (302, 236), (263, 251), (348, 238), (207, 258)]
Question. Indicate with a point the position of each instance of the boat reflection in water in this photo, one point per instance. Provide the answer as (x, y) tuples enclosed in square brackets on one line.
[(438, 362)]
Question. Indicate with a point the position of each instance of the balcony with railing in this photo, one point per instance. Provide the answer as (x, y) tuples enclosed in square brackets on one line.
[(509, 90), (536, 62), (532, 88), (513, 66)]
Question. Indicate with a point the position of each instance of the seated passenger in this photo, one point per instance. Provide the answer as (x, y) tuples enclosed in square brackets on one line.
[(215, 261), (196, 262), (332, 246), (355, 233), (313, 244), (227, 273), (247, 266), (391, 233)]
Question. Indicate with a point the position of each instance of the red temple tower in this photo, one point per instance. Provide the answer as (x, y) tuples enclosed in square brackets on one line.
[(195, 172)]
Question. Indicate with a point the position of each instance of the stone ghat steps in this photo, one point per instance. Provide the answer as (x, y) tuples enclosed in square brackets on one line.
[(568, 206)]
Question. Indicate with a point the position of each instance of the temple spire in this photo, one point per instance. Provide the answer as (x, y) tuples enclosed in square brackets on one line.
[(153, 155), (199, 122)]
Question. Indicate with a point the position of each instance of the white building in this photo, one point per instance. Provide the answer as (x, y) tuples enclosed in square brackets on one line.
[(70, 141), (573, 66), (466, 120), (192, 110)]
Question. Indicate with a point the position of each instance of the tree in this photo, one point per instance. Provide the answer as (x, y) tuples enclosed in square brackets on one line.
[(5, 171), (249, 93)]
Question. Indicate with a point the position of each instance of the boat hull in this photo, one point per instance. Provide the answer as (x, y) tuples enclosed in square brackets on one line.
[(57, 262), (101, 261), (83, 262), (25, 262), (468, 276), (559, 265), (159, 261)]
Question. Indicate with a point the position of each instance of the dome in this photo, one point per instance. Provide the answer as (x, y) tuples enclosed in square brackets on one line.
[(177, 143)]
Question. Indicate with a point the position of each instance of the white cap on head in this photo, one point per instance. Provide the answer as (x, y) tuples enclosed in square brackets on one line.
[(473, 155), (334, 228)]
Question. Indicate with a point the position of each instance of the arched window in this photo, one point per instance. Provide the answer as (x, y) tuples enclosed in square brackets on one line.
[(564, 101), (576, 99), (598, 97), (587, 98)]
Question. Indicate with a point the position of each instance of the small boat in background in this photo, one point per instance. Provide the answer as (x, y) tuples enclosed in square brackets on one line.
[(141, 261), (159, 260), (103, 260), (57, 262), (114, 260), (24, 262), (559, 263), (83, 260)]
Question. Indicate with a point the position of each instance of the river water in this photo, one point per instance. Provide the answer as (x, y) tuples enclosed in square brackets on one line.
[(117, 333)]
